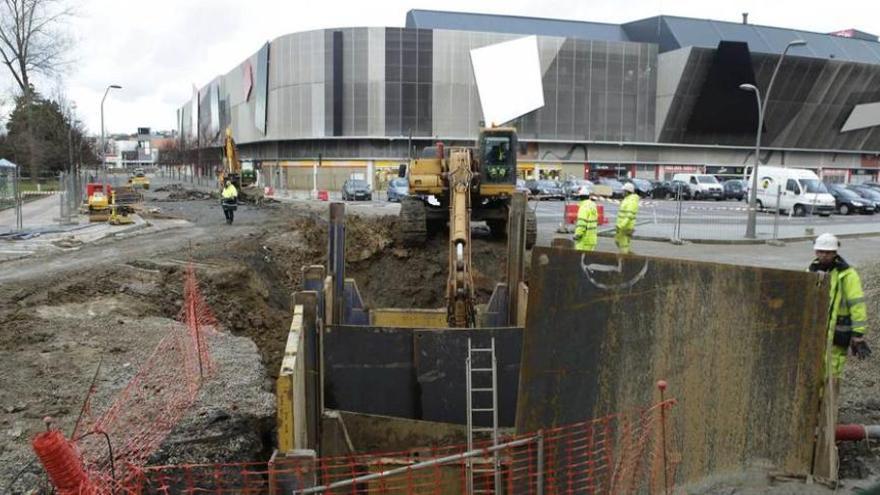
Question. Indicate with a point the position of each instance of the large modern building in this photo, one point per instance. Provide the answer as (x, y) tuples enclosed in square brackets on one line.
[(647, 98)]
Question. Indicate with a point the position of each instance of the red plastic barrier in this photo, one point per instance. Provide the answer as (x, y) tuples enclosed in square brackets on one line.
[(571, 213), (602, 219), (323, 196)]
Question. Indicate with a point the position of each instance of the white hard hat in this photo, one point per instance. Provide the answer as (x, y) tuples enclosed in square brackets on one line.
[(826, 242), (628, 187)]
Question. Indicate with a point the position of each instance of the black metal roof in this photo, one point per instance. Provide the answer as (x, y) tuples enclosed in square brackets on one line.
[(672, 32), (668, 32)]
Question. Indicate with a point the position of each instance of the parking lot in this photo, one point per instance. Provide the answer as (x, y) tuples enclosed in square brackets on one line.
[(714, 220), (688, 220)]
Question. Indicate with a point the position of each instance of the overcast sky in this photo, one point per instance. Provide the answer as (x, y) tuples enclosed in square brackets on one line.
[(156, 50)]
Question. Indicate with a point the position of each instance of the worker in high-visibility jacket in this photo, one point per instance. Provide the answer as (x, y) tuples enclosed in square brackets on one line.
[(847, 311), (626, 219), (229, 200), (585, 234)]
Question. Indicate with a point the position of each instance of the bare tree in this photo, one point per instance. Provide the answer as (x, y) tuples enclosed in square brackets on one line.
[(33, 39)]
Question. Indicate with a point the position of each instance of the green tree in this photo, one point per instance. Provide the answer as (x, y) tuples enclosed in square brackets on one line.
[(48, 147)]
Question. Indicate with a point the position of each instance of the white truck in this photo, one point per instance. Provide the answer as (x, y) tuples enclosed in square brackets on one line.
[(702, 186), (802, 191)]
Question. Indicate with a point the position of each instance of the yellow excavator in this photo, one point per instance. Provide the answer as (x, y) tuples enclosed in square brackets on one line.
[(491, 180), (456, 186), (232, 167)]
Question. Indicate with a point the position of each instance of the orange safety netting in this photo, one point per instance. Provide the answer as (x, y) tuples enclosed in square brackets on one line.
[(628, 452), (620, 453), (113, 445)]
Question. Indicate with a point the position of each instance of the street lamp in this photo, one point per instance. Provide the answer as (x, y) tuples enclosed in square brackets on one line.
[(762, 107), (70, 124), (103, 148)]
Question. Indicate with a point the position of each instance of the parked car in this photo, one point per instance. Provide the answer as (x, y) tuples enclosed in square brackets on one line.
[(734, 189), (644, 188), (872, 185), (802, 191), (679, 185), (703, 186), (662, 189), (545, 189), (615, 185), (398, 189), (357, 190), (521, 186), (577, 188), (868, 194), (847, 201)]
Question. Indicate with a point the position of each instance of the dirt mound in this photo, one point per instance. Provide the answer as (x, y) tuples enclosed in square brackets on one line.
[(179, 192), (191, 195), (390, 275)]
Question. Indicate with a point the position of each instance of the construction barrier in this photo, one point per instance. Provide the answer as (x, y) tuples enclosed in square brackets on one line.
[(115, 444), (571, 213), (616, 454)]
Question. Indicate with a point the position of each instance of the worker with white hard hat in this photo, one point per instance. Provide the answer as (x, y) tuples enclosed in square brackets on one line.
[(626, 218), (847, 313), (585, 231)]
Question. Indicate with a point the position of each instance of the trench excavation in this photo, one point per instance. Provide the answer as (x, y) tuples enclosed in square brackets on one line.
[(115, 314)]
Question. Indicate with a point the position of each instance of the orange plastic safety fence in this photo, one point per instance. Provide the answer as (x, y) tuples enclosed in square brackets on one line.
[(620, 453), (114, 444)]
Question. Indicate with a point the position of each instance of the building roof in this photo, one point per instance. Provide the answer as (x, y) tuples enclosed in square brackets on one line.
[(7, 164), (494, 23), (668, 32), (671, 32)]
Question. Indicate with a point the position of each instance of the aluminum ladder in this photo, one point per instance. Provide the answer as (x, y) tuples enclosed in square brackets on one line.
[(479, 363)]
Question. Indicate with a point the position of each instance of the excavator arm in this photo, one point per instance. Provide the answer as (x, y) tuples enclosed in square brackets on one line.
[(460, 299)]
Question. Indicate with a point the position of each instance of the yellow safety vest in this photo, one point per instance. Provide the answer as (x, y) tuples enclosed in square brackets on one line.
[(585, 233), (229, 192), (626, 215)]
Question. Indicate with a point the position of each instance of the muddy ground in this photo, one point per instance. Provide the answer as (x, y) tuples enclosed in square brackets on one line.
[(112, 300)]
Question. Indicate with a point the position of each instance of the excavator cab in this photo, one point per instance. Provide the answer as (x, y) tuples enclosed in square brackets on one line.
[(497, 154)]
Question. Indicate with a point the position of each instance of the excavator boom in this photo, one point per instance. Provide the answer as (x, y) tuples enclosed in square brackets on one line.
[(460, 300)]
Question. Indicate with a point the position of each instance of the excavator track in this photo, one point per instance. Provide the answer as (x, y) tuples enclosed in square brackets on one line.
[(412, 222)]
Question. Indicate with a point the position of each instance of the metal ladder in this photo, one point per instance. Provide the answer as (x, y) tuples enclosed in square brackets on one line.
[(477, 367)]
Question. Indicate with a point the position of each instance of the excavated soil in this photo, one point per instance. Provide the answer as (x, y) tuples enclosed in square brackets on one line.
[(55, 328)]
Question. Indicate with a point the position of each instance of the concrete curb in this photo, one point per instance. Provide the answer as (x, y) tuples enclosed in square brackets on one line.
[(140, 224), (752, 242)]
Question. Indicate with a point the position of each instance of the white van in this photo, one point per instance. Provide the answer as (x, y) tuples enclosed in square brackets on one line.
[(802, 191), (703, 186)]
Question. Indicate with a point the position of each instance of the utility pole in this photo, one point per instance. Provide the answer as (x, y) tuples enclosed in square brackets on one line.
[(103, 144), (762, 108)]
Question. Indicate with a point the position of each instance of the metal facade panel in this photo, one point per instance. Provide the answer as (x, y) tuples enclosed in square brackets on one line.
[(261, 89), (741, 349)]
